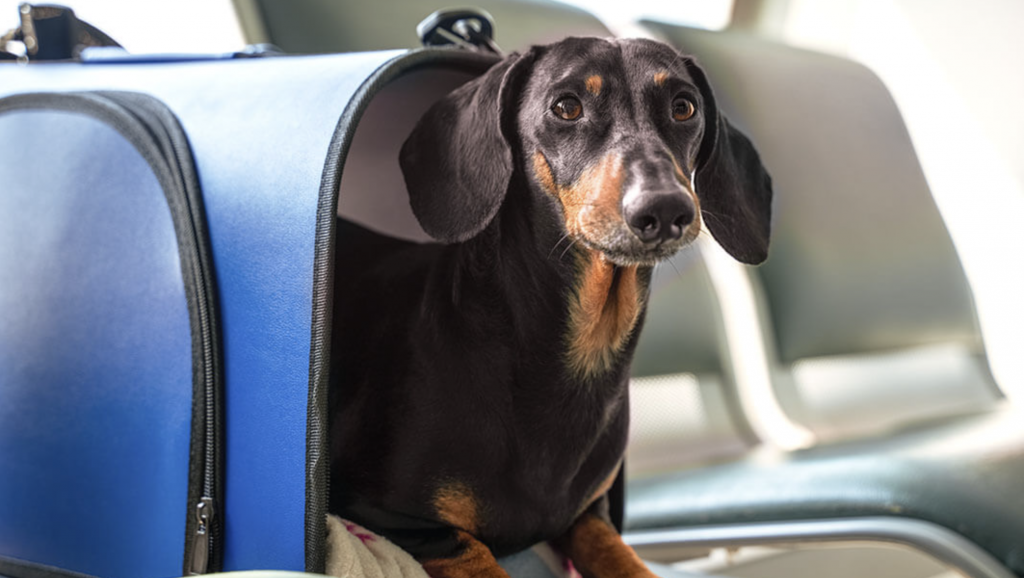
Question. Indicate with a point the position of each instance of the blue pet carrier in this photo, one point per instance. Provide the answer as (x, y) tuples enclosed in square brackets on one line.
[(166, 230)]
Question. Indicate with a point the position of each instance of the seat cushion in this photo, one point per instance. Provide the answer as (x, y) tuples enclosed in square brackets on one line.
[(962, 474)]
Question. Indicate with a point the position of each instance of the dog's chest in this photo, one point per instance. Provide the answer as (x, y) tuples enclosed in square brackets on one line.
[(560, 461), (560, 417)]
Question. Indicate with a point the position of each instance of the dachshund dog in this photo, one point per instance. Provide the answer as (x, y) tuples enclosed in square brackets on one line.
[(479, 397)]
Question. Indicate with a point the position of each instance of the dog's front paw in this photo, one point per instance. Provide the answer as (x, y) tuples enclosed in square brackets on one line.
[(474, 560), (597, 550)]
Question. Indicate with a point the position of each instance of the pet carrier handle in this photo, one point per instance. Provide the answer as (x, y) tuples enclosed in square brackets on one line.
[(52, 32), (470, 28)]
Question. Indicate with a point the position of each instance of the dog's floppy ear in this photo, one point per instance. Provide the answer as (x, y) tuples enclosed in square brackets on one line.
[(734, 189), (457, 162)]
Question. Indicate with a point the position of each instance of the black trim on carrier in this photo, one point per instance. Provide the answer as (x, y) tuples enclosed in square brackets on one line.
[(317, 444), (155, 132)]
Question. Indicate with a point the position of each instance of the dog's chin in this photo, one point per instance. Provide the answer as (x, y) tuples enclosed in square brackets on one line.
[(633, 254)]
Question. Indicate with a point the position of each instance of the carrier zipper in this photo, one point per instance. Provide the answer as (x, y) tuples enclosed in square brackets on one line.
[(202, 552), (202, 536), (206, 535)]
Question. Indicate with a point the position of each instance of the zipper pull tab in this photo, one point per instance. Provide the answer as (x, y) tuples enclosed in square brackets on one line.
[(201, 538)]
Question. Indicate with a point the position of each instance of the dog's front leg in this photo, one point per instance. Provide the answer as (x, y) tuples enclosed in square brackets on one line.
[(473, 560), (597, 550)]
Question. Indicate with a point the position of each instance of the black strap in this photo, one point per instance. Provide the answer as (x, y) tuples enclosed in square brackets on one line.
[(52, 32), (469, 28)]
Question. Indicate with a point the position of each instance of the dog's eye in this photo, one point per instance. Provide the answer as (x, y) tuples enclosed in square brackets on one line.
[(682, 109), (568, 108)]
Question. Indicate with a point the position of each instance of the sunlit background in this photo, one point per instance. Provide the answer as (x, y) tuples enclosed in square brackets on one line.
[(954, 68)]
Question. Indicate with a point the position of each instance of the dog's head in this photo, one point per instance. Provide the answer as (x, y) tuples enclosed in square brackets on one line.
[(623, 136)]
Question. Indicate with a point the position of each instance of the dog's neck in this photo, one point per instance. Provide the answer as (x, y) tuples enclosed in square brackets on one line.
[(596, 306), (604, 309)]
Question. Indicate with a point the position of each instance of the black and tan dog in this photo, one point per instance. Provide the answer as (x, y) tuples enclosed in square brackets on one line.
[(479, 403)]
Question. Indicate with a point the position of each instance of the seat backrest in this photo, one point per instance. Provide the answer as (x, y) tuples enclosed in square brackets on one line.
[(869, 313), (320, 26)]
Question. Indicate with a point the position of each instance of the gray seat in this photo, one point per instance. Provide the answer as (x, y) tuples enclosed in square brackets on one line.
[(870, 331), (868, 316)]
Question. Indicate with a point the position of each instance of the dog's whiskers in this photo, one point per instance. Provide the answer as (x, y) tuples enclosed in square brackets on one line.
[(707, 214), (676, 269), (570, 246), (552, 251)]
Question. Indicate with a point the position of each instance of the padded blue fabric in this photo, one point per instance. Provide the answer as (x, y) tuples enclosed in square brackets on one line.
[(260, 130), (95, 353)]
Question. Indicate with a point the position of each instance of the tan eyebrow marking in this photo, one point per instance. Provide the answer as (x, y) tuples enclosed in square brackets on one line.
[(594, 84), (660, 78)]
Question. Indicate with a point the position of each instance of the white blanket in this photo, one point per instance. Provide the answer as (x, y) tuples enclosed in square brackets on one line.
[(355, 552)]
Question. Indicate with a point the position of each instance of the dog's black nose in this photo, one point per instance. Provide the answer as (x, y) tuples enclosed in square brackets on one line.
[(661, 217)]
